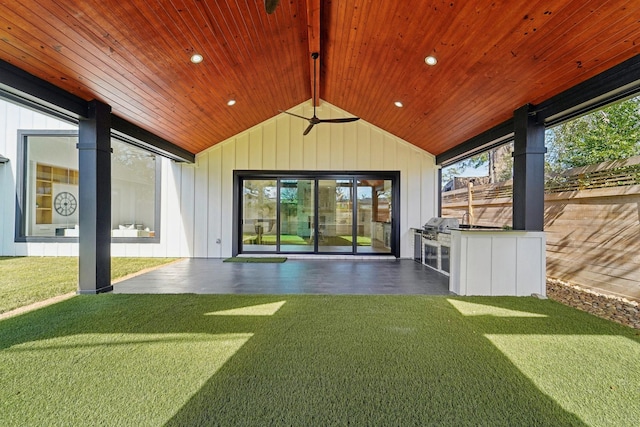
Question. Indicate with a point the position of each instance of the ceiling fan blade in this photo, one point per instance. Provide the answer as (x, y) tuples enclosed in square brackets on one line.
[(341, 120), (294, 115), (308, 129)]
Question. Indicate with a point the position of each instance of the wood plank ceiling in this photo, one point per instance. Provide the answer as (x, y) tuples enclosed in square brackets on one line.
[(493, 56)]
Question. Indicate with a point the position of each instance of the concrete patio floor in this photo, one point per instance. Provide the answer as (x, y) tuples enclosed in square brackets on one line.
[(295, 276)]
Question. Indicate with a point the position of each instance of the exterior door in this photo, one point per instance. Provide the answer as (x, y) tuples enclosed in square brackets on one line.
[(297, 197), (373, 216), (317, 213), (335, 216), (259, 213)]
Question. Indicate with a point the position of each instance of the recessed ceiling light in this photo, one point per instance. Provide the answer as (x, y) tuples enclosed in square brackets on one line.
[(231, 102), (431, 60), (398, 104), (196, 58)]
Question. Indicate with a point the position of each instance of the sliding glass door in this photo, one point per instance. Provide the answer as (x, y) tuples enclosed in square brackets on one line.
[(296, 215), (373, 215), (259, 213), (332, 214), (335, 215)]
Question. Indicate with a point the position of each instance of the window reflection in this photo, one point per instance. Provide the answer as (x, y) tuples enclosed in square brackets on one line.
[(50, 200)]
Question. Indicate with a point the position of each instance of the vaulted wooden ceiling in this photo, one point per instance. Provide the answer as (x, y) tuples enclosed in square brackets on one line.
[(493, 57)]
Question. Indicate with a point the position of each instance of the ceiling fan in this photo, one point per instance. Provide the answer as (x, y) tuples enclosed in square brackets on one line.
[(315, 120)]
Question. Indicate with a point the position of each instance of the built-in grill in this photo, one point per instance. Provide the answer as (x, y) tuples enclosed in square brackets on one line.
[(438, 225), (436, 238)]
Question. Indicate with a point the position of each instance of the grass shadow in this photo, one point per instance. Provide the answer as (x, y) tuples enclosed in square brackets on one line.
[(318, 360), (396, 361)]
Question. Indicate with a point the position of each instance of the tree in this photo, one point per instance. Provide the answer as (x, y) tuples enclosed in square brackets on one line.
[(498, 162), (612, 133)]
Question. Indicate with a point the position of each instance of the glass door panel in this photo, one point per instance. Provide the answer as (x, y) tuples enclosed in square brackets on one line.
[(259, 213), (297, 198), (335, 215), (373, 230)]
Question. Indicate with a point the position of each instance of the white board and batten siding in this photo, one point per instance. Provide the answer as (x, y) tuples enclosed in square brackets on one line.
[(278, 144), (197, 200)]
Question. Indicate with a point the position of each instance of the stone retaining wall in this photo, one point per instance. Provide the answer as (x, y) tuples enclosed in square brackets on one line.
[(608, 307)]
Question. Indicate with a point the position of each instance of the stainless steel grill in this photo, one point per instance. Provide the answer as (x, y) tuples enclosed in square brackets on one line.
[(436, 237), (439, 225)]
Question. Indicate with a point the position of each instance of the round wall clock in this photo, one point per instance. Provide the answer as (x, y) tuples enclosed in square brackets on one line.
[(65, 203)]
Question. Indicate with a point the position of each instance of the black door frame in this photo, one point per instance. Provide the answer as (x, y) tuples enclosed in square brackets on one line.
[(239, 176)]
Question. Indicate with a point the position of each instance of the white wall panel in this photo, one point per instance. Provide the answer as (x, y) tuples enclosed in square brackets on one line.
[(50, 250), (406, 202), (377, 151), (350, 159), (531, 264), (226, 201), (255, 149), (296, 147), (201, 211), (323, 146), (337, 147), (414, 181), (283, 142), (197, 201), (390, 146), (363, 161), (187, 210), (242, 151), (478, 267), (30, 249), (145, 251), (131, 250), (22, 249), (269, 134), (64, 249), (504, 254), (278, 144), (172, 216), (309, 149), (214, 201)]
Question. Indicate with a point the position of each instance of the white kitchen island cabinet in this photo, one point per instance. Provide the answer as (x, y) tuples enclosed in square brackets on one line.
[(497, 262)]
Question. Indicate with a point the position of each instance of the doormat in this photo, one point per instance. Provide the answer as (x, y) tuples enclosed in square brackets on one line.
[(256, 259)]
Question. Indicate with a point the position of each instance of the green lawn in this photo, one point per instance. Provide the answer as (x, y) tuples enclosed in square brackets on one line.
[(310, 360), (25, 280)]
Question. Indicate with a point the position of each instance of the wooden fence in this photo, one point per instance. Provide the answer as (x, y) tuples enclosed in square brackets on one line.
[(592, 220)]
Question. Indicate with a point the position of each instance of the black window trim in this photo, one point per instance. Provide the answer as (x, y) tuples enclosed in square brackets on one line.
[(19, 228)]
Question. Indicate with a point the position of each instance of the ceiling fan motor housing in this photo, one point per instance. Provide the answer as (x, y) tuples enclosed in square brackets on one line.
[(315, 120)]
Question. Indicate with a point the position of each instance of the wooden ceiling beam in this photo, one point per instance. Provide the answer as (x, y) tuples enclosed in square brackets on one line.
[(313, 36)]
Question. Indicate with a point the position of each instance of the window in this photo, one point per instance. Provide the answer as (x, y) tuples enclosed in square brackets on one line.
[(48, 199), (135, 192), (478, 191), (49, 205)]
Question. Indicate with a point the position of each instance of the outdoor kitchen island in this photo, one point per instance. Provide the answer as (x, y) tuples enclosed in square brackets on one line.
[(497, 262)]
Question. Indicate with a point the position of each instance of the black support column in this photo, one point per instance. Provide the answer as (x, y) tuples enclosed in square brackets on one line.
[(95, 200), (528, 171)]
